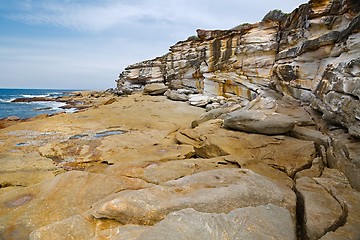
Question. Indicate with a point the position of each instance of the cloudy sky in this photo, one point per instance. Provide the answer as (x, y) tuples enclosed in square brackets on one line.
[(85, 44)]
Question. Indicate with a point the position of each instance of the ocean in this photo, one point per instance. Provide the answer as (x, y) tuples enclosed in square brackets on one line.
[(32, 109)]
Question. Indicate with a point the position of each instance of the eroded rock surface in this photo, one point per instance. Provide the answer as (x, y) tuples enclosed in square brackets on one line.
[(243, 223), (215, 191)]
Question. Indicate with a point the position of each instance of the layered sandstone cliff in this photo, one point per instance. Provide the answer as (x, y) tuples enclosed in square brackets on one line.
[(311, 54)]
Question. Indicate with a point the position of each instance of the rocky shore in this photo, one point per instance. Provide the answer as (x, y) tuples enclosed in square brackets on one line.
[(248, 133)]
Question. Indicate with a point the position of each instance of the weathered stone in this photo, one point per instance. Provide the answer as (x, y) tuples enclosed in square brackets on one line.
[(310, 54), (321, 212), (218, 191), (212, 114), (198, 100), (315, 170), (27, 209), (311, 135), (160, 172), (254, 121), (344, 154), (243, 223), (176, 96), (338, 186), (210, 140), (155, 89)]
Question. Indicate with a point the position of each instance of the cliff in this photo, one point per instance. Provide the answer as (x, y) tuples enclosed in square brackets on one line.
[(311, 54)]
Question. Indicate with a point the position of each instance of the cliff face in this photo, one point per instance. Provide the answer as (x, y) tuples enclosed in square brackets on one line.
[(311, 54)]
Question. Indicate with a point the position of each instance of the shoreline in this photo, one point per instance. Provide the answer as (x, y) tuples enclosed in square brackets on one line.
[(160, 152)]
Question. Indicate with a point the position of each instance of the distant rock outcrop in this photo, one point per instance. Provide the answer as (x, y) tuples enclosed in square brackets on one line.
[(311, 54)]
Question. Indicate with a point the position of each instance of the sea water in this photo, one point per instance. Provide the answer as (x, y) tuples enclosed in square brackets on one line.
[(31, 109)]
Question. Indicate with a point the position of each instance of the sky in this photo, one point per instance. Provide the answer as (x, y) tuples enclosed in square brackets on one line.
[(85, 44)]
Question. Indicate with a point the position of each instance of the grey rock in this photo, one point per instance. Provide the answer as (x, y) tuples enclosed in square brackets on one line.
[(305, 133), (199, 100), (212, 114), (255, 121), (176, 96)]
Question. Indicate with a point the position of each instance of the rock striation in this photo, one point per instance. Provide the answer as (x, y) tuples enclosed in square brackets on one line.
[(311, 54)]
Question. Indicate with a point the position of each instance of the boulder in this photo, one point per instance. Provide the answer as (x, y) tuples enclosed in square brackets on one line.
[(199, 100), (176, 96), (214, 191), (155, 89), (255, 121), (212, 114), (244, 223), (336, 183), (321, 211)]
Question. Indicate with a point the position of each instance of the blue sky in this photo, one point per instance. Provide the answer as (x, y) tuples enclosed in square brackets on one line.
[(85, 44)]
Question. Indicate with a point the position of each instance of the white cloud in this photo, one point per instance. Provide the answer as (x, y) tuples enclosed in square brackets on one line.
[(106, 36), (97, 17)]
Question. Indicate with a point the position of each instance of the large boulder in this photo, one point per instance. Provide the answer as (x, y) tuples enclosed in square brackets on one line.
[(321, 211), (155, 89), (255, 121), (214, 191), (244, 223)]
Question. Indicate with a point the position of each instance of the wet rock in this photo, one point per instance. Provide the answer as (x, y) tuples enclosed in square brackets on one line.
[(33, 99), (254, 121), (216, 191), (243, 223), (155, 89), (321, 212)]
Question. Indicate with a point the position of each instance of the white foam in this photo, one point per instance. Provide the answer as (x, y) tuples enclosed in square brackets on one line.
[(32, 96)]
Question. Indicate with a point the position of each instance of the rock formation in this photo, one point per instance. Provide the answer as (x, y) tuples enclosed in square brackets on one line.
[(311, 54), (266, 147)]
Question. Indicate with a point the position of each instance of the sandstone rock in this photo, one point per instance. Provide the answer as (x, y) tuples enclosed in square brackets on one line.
[(259, 122), (310, 54), (315, 170), (27, 209), (210, 140), (76, 227), (24, 169), (176, 96), (344, 154), (243, 223), (215, 191), (310, 134), (155, 89), (321, 211), (160, 172), (338, 186), (110, 101), (212, 114)]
